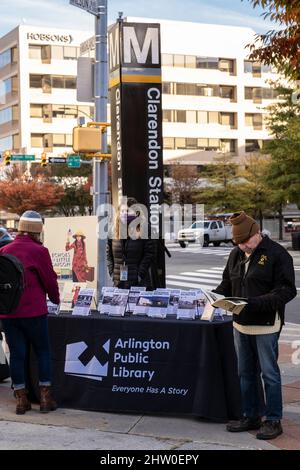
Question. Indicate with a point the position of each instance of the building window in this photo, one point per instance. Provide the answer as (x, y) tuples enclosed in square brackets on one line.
[(202, 144), (227, 92), (180, 143), (47, 82), (57, 52), (213, 144), (5, 58), (213, 117), (58, 82), (257, 94), (8, 86), (70, 83), (180, 116), (68, 140), (226, 65), (35, 52), (6, 115), (254, 145), (167, 60), (228, 145), (15, 113), (167, 115), (169, 143), (166, 88), (191, 117), (58, 140), (37, 140), (70, 53), (35, 81), (254, 120), (191, 143), (247, 66), (36, 111), (16, 141), (179, 60), (190, 61), (207, 63), (202, 117), (227, 119), (6, 143)]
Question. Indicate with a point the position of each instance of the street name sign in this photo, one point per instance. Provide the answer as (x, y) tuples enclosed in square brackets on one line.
[(22, 158), (73, 161), (57, 160), (87, 5)]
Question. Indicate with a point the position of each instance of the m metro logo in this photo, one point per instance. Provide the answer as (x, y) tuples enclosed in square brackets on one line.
[(140, 43)]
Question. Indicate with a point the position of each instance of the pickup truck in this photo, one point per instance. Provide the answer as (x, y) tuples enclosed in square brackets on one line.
[(205, 232)]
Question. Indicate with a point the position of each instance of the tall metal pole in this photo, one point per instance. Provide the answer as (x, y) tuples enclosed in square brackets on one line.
[(100, 172)]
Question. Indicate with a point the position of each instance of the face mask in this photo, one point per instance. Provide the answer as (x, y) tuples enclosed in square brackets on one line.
[(130, 218)]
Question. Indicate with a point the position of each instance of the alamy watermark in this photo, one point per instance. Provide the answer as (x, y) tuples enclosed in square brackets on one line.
[(296, 96), (296, 354), (135, 221)]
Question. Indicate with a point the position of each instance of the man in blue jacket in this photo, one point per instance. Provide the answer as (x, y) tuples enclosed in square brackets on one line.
[(261, 271)]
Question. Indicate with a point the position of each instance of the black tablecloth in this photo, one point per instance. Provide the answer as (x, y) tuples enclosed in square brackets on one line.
[(145, 365)]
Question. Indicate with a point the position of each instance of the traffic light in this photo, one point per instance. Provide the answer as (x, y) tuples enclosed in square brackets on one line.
[(6, 157), (87, 139), (44, 159)]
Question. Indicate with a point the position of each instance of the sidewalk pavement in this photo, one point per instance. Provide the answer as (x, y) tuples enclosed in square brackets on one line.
[(81, 430)]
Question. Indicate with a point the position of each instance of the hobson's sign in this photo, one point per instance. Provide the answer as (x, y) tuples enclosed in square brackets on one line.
[(136, 116), (49, 37)]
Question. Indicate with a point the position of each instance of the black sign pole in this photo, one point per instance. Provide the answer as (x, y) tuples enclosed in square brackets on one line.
[(136, 124)]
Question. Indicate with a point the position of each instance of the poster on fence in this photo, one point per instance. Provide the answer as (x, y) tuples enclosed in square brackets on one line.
[(72, 243)]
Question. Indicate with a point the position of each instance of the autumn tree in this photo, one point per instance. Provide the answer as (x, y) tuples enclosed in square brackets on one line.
[(280, 48), (21, 193), (283, 171), (254, 194), (76, 200), (220, 194), (183, 184)]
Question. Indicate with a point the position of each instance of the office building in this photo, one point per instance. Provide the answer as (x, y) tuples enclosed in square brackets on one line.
[(214, 98)]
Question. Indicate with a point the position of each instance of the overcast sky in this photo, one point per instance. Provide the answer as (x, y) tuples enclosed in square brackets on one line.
[(59, 13)]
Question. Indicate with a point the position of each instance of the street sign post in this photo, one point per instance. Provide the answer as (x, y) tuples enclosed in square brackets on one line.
[(87, 5), (73, 161), (22, 158), (57, 160), (100, 168)]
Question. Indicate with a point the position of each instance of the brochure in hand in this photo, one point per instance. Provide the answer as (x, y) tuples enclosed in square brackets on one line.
[(230, 304)]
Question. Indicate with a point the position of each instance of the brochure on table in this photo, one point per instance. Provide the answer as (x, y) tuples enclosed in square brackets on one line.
[(161, 303), (84, 301)]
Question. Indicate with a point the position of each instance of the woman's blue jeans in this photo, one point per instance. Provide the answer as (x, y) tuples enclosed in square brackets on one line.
[(258, 354), (20, 332)]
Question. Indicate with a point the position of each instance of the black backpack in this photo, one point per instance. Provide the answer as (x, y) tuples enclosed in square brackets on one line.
[(12, 283)]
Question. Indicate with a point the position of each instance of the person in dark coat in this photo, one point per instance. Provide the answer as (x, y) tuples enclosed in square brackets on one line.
[(5, 237), (261, 271), (129, 256), (28, 323)]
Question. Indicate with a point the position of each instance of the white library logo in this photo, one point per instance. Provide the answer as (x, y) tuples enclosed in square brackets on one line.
[(93, 369)]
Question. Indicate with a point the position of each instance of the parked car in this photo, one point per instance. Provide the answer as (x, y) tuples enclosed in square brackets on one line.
[(205, 232)]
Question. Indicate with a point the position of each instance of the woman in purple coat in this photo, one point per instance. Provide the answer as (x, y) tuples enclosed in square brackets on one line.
[(28, 323)]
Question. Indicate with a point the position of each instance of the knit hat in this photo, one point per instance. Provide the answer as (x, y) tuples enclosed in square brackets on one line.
[(243, 227), (4, 235), (30, 221)]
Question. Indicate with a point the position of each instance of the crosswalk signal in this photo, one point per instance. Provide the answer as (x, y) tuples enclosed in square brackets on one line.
[(44, 159), (6, 157)]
